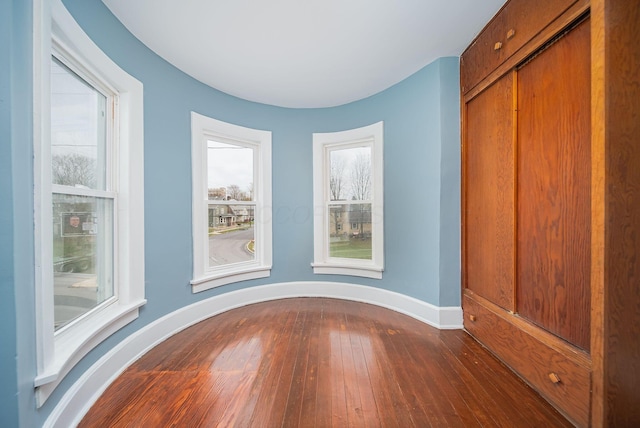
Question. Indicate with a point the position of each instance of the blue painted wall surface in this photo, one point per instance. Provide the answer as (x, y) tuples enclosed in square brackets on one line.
[(8, 350), (421, 117), (17, 338), (450, 183)]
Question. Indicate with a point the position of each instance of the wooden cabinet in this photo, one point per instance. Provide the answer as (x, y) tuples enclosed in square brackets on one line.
[(516, 24), (550, 205)]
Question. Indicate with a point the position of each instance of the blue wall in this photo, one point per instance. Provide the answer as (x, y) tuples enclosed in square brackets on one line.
[(17, 325), (422, 180), (8, 350)]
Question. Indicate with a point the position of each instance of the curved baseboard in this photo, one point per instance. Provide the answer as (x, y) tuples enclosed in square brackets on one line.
[(88, 388)]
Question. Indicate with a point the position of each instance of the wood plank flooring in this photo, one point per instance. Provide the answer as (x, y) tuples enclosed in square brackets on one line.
[(315, 362)]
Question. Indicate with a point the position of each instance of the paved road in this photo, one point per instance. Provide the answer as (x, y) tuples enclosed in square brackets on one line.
[(74, 295), (230, 247)]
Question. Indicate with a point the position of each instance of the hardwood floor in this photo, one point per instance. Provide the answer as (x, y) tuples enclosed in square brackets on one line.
[(319, 362)]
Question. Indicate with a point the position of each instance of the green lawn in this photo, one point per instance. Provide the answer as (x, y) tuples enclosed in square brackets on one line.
[(352, 249)]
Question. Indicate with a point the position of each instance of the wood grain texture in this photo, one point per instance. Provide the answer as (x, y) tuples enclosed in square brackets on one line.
[(489, 249), (598, 170), (316, 362), (617, 281), (533, 359), (554, 183), (525, 18)]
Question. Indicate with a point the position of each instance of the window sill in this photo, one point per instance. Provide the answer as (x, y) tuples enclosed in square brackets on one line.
[(74, 343), (374, 272), (216, 280)]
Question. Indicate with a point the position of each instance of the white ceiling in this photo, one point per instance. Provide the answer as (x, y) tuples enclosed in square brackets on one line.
[(303, 53)]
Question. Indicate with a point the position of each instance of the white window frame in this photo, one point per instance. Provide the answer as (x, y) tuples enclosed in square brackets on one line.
[(203, 129), (323, 143), (58, 352)]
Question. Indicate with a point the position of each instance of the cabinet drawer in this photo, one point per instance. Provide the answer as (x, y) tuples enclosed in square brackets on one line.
[(563, 379), (516, 23)]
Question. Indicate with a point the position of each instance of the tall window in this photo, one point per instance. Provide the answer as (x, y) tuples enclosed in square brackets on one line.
[(348, 226), (89, 221), (83, 194), (231, 202)]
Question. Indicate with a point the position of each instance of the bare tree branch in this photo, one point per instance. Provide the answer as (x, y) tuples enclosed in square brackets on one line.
[(73, 170), (361, 176)]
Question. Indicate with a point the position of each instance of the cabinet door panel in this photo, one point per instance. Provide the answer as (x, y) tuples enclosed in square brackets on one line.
[(554, 164), (489, 194)]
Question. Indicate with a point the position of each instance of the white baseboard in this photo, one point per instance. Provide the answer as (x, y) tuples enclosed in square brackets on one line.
[(87, 389)]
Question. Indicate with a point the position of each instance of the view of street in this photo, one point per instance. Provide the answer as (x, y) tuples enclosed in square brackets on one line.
[(74, 294), (230, 247)]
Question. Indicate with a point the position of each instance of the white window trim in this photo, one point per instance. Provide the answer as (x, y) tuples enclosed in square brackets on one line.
[(204, 128), (58, 353), (322, 142)]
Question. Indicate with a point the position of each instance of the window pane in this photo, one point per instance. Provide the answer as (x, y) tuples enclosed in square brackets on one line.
[(350, 231), (229, 172), (82, 255), (350, 174), (78, 131), (231, 234)]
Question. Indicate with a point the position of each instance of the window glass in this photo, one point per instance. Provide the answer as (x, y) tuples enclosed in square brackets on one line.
[(231, 224), (82, 232), (82, 255), (231, 234), (229, 171), (349, 181), (78, 131), (350, 174)]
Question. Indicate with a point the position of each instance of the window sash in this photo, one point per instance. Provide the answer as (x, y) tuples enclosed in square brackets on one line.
[(74, 304)]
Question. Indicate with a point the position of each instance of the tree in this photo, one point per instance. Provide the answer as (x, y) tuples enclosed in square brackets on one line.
[(336, 188), (361, 176), (336, 178), (234, 192), (361, 186), (73, 169)]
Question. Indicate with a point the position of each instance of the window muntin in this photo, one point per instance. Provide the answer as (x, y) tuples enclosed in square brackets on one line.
[(231, 203), (348, 226), (82, 195)]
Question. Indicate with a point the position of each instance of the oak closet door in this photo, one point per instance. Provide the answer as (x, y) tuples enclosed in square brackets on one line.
[(554, 167), (489, 194)]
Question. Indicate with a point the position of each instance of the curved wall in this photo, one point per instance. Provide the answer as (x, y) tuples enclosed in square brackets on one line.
[(421, 161)]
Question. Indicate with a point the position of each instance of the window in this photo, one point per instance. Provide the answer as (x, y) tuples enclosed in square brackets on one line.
[(347, 191), (89, 192), (83, 194), (231, 203)]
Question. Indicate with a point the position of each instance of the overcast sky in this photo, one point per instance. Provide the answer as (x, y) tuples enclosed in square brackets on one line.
[(229, 164)]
